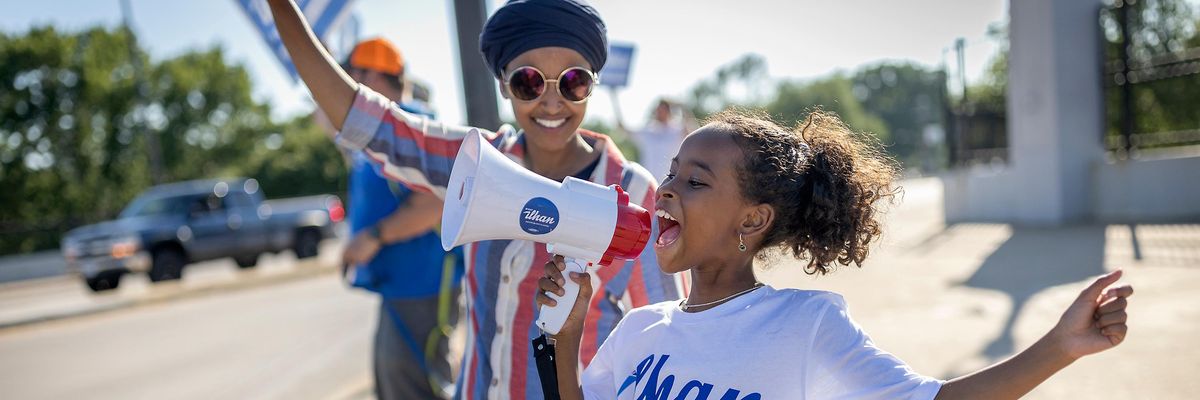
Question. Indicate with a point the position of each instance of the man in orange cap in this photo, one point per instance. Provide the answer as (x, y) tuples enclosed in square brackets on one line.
[(395, 253)]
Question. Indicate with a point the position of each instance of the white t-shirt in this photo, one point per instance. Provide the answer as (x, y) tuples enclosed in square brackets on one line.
[(657, 144), (766, 344)]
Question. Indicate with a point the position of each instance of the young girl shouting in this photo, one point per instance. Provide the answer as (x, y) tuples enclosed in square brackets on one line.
[(739, 188)]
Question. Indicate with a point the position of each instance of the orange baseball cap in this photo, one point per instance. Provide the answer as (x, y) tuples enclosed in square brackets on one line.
[(377, 54)]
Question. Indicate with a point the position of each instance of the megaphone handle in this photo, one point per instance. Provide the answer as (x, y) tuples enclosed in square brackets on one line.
[(551, 319)]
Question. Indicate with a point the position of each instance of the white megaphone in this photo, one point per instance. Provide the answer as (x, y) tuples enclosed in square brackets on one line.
[(491, 197)]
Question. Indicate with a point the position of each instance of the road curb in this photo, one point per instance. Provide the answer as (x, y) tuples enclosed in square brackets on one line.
[(303, 270), (360, 389)]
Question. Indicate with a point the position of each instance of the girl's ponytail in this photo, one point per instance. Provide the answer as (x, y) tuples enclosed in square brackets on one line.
[(823, 181)]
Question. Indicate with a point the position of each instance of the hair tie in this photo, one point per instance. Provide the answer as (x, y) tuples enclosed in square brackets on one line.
[(805, 152)]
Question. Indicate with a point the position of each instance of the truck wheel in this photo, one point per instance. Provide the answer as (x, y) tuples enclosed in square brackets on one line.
[(247, 261), (307, 243), (104, 281), (167, 265)]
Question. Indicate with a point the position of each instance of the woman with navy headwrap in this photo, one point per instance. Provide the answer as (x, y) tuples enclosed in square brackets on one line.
[(545, 55)]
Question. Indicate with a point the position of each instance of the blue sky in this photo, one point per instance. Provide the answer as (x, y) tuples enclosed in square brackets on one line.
[(800, 39)]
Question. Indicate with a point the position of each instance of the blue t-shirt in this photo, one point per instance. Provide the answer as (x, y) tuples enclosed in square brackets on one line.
[(411, 268)]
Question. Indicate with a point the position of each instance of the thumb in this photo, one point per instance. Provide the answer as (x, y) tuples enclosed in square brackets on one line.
[(585, 284), (1093, 291)]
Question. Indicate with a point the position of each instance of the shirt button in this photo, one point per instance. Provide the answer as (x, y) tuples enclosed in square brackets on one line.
[(495, 381), (500, 329), (504, 278)]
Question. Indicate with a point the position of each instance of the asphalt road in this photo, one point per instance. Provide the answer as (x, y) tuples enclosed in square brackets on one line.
[(66, 295), (301, 339)]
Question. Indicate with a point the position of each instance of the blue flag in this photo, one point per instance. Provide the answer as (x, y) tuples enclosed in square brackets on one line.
[(330, 20)]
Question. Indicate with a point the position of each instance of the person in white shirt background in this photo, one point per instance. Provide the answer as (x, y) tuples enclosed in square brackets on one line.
[(658, 141), (741, 188)]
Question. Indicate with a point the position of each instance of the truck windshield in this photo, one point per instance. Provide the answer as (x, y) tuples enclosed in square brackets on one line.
[(154, 205)]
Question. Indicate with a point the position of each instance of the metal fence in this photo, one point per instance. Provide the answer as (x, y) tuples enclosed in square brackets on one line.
[(1151, 85), (1151, 76)]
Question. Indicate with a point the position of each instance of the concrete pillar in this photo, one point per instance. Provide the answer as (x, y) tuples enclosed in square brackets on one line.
[(1055, 109), (1055, 121)]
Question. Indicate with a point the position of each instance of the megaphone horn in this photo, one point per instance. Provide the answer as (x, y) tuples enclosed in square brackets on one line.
[(490, 197)]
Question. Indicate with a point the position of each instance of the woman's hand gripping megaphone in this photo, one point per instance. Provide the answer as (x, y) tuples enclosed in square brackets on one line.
[(565, 280)]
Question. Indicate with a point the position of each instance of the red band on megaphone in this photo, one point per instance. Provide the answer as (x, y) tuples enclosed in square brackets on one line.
[(631, 233)]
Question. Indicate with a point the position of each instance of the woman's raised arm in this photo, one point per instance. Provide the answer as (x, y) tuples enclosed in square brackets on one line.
[(331, 87)]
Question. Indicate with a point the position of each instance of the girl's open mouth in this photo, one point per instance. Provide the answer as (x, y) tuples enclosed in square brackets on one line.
[(668, 229)]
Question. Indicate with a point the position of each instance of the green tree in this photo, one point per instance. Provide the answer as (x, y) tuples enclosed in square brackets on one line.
[(74, 123), (908, 98), (203, 114), (295, 159), (1158, 28), (66, 119), (743, 82), (794, 100)]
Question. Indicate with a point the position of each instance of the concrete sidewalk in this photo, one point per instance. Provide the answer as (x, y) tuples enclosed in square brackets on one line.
[(952, 299)]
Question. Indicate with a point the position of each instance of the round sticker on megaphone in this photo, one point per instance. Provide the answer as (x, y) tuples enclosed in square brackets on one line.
[(539, 216)]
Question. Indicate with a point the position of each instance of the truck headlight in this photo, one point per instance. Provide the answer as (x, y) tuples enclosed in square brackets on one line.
[(125, 247)]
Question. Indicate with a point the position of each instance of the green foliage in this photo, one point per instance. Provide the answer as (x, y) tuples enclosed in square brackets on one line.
[(297, 159), (1159, 27), (894, 102), (795, 100), (66, 126), (76, 118), (742, 82), (989, 94), (907, 98)]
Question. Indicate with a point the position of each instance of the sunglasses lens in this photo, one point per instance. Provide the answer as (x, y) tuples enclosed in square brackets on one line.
[(526, 84), (576, 84)]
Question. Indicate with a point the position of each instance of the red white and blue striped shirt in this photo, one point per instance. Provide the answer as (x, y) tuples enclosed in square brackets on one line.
[(501, 275)]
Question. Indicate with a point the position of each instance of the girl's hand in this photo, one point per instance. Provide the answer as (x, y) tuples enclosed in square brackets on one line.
[(552, 282), (1093, 323), (1096, 320)]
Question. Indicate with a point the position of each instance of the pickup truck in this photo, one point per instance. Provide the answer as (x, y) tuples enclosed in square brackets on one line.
[(172, 225)]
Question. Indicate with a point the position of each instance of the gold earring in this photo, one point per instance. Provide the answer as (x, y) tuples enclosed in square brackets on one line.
[(741, 244)]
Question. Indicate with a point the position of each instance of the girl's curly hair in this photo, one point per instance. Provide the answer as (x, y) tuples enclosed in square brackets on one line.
[(822, 179)]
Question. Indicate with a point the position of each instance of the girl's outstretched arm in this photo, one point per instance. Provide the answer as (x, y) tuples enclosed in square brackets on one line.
[(1093, 323), (331, 87)]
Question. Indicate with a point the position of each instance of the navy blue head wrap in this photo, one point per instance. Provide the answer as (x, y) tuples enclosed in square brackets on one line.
[(523, 25)]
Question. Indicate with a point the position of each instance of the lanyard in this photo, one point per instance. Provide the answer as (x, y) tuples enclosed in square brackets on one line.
[(543, 355)]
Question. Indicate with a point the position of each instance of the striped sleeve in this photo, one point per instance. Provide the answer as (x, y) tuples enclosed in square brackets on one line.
[(410, 148)]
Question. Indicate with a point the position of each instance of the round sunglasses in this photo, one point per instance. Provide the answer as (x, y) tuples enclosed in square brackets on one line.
[(573, 84)]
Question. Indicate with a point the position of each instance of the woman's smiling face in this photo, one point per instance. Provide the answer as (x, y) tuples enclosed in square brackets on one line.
[(700, 205), (550, 121)]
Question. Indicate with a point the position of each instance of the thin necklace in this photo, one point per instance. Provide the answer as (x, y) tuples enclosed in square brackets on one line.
[(685, 306)]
